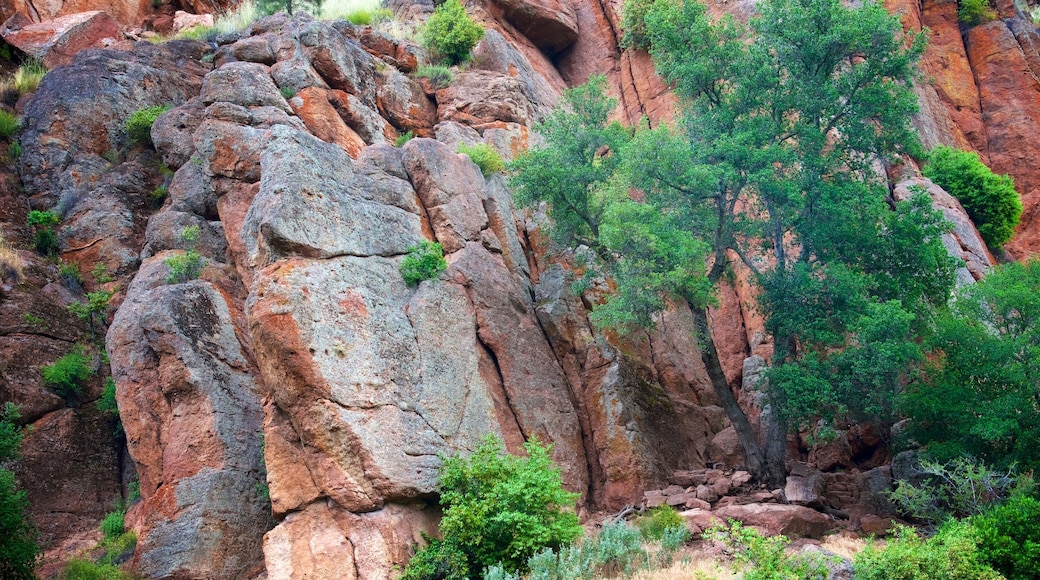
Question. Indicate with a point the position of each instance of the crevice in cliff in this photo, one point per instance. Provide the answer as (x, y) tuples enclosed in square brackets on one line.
[(500, 384)]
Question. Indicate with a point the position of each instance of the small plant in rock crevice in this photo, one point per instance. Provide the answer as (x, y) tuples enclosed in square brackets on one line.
[(69, 374), (139, 124), (450, 33), (187, 266), (485, 156), (423, 262), (45, 240)]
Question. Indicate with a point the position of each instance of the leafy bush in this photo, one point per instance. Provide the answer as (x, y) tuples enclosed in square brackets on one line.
[(633, 25), (113, 525), (450, 34), (107, 402), (765, 558), (485, 156), (960, 488), (439, 76), (974, 11), (139, 123), (949, 555), (438, 561), (42, 222), (1009, 538), (19, 552), (403, 138), (82, 569), (654, 523), (423, 262), (990, 200), (14, 149), (68, 374), (93, 309), (369, 16), (8, 124), (500, 509), (187, 266)]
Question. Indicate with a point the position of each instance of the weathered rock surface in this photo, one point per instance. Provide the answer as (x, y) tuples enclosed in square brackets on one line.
[(56, 42)]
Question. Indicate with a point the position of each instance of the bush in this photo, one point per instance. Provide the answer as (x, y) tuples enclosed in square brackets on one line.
[(19, 552), (113, 525), (403, 138), (42, 222), (139, 123), (439, 76), (990, 200), (654, 523), (502, 509), (960, 488), (187, 266), (423, 262), (369, 16), (765, 558), (107, 402), (1009, 538), (633, 25), (450, 34), (14, 150), (82, 569), (485, 156), (974, 11), (437, 561), (9, 124), (68, 374), (949, 555)]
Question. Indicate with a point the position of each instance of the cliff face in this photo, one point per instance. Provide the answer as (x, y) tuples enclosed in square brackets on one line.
[(299, 364)]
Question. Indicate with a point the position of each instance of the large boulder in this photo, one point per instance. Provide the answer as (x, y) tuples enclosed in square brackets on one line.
[(56, 42), (550, 24), (775, 519)]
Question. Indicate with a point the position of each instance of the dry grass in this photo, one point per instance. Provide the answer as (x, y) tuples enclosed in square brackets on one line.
[(844, 544), (11, 264)]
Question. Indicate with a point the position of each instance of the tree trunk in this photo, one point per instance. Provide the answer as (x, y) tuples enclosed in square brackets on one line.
[(754, 458)]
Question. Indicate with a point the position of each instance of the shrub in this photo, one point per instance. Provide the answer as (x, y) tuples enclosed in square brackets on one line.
[(14, 149), (19, 552), (187, 266), (100, 273), (68, 374), (403, 138), (990, 200), (653, 524), (949, 555), (1009, 538), (8, 124), (974, 11), (42, 222), (439, 76), (438, 561), (450, 34), (82, 569), (960, 488), (113, 525), (502, 509), (765, 558), (158, 195), (139, 123), (485, 156), (633, 24), (94, 308), (423, 262), (107, 402), (369, 16)]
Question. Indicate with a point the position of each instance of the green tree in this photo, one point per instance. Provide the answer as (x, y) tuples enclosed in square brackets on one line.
[(980, 393), (19, 552), (291, 6), (990, 200), (450, 34), (499, 509), (773, 153)]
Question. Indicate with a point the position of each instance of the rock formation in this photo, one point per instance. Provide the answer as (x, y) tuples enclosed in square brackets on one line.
[(300, 368)]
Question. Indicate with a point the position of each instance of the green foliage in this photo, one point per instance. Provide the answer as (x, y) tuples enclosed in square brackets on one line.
[(990, 200), (100, 273), (439, 76), (187, 266), (765, 558), (369, 16), (19, 551), (113, 525), (951, 554), (94, 309), (977, 395), (288, 92), (107, 402), (139, 123), (423, 262), (438, 561), (69, 274), (14, 148), (158, 195), (974, 11), (633, 24), (499, 508), (485, 156), (654, 523), (9, 124), (28, 76), (42, 222), (615, 552), (1009, 538), (83, 569), (68, 374), (960, 488), (403, 138), (450, 34), (313, 7)]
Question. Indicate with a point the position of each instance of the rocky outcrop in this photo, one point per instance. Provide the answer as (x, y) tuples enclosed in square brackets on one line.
[(56, 41)]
